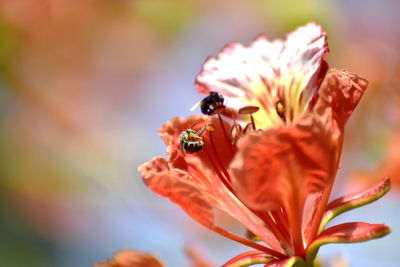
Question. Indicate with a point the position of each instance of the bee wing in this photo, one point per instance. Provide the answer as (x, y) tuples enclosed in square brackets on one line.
[(198, 104)]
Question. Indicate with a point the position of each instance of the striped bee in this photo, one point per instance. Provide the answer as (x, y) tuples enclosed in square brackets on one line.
[(191, 141)]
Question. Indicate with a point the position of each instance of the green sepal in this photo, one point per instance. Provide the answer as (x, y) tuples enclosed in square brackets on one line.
[(249, 258), (353, 232), (353, 201), (293, 261)]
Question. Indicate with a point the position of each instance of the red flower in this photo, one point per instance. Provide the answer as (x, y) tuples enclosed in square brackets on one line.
[(274, 174)]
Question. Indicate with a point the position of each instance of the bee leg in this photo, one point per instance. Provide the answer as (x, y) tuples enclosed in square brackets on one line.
[(207, 128)]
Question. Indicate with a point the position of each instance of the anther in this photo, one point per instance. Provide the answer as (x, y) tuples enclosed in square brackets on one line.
[(250, 110), (235, 133), (280, 109)]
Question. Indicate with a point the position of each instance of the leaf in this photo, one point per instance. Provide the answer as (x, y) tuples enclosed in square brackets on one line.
[(353, 201), (347, 233)]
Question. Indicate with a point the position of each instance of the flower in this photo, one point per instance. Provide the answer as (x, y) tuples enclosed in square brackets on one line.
[(273, 164)]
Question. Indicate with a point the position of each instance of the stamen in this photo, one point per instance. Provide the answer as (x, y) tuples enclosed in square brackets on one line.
[(218, 159), (250, 110), (235, 133), (252, 122), (225, 134), (248, 129), (221, 177), (272, 226), (281, 223), (246, 242)]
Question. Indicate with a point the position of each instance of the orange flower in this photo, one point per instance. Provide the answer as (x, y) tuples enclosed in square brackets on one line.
[(273, 173)]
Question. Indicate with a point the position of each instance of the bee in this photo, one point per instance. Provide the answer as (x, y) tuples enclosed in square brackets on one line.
[(191, 141), (212, 104)]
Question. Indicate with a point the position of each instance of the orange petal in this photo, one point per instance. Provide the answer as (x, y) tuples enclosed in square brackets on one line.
[(197, 198), (281, 167), (339, 95), (273, 167), (131, 258), (179, 187), (268, 71)]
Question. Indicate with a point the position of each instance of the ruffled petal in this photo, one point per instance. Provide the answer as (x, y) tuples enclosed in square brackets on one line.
[(272, 166), (281, 167), (288, 262), (347, 233), (353, 201), (180, 188), (129, 258), (248, 258), (339, 95), (267, 72), (198, 198)]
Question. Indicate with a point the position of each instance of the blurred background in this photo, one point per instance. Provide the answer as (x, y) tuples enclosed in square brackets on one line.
[(85, 85)]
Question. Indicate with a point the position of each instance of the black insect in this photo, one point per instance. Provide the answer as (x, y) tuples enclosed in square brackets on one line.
[(212, 104)]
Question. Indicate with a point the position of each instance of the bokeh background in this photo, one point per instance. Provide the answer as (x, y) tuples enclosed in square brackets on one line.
[(85, 84)]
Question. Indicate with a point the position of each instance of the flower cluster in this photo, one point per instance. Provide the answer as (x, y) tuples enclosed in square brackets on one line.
[(267, 149)]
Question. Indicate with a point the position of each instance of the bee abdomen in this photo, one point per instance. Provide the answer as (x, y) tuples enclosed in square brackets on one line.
[(193, 146)]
